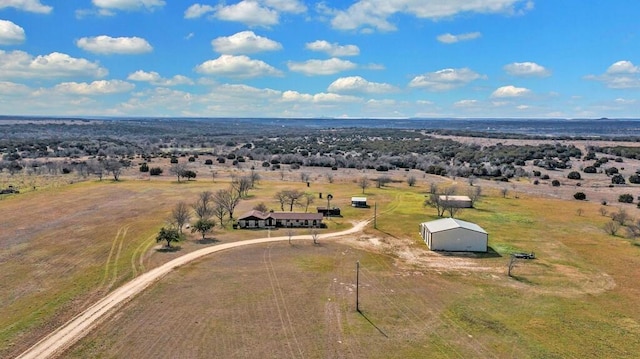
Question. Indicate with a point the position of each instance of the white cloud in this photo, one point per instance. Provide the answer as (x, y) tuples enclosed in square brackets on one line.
[(13, 89), (248, 12), (19, 64), (10, 33), (245, 42), (114, 45), (446, 79), (334, 49), (198, 10), (154, 78), (321, 67), (102, 87), (466, 103), (623, 67), (620, 75), (129, 5), (375, 13), (451, 39), (294, 96), (510, 91), (526, 69), (237, 66), (359, 84), (27, 5), (291, 6)]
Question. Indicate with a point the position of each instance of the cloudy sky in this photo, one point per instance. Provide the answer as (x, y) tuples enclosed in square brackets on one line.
[(325, 58)]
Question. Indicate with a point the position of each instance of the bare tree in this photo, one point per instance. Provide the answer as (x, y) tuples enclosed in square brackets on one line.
[(203, 207), (579, 212), (114, 167), (382, 181), (96, 168), (254, 177), (411, 180), (315, 234), (307, 200), (180, 215), (329, 176), (611, 227), (512, 263), (281, 197), (241, 185), (471, 180), (290, 197), (363, 183), (433, 188), (633, 230), (621, 216), (504, 191), (227, 198), (434, 201), (304, 177), (261, 207), (219, 211), (290, 233), (178, 170), (474, 194), (603, 211)]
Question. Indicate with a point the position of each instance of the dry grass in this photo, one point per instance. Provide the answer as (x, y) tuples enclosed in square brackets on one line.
[(64, 247)]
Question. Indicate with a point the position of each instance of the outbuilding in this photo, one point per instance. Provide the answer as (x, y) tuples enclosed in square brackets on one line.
[(359, 202), (454, 235), (455, 201)]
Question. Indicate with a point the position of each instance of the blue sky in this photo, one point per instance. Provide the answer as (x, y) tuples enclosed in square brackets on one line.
[(294, 58)]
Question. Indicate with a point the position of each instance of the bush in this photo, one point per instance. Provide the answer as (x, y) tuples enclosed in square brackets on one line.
[(155, 171), (544, 177), (634, 179), (144, 167), (625, 198), (617, 179), (580, 196), (265, 164), (590, 169), (174, 159), (192, 159), (208, 161), (555, 183), (611, 171), (574, 175)]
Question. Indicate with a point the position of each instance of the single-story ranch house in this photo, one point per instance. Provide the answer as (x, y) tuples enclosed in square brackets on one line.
[(449, 234), (257, 219)]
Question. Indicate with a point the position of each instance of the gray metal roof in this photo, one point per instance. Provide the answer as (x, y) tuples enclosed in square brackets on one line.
[(446, 224)]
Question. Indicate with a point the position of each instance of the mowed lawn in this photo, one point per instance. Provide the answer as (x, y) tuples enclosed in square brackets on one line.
[(63, 248)]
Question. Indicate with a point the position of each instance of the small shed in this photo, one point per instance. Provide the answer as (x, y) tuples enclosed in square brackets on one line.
[(454, 235), (455, 201), (359, 202), (329, 212)]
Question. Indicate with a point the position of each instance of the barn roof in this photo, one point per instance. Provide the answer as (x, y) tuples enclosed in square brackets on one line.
[(446, 224), (454, 198), (358, 199), (281, 215)]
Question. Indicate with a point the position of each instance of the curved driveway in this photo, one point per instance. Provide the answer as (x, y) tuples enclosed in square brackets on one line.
[(72, 331)]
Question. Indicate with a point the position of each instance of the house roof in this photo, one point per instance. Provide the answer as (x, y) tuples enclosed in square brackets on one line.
[(454, 198), (281, 215), (358, 199), (296, 215), (446, 224)]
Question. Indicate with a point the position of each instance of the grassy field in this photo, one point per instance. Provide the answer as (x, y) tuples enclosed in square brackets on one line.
[(62, 248)]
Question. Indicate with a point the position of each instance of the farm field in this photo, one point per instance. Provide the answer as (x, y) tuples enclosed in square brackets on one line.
[(63, 248)]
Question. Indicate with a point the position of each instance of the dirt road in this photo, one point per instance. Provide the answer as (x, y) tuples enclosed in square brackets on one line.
[(72, 331)]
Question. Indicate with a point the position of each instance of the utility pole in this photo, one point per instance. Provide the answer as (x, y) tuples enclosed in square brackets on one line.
[(375, 215), (357, 286)]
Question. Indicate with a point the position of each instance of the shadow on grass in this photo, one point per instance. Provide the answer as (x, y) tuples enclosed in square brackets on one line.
[(166, 249), (207, 241), (522, 279), (490, 253), (373, 324)]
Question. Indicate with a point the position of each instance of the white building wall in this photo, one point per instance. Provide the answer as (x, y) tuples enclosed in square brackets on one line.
[(458, 240)]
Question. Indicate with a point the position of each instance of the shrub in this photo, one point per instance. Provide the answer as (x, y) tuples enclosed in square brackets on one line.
[(611, 171), (221, 160), (625, 198), (634, 179), (144, 167), (544, 177), (580, 196), (536, 182), (574, 175), (174, 159), (265, 164), (617, 179), (555, 183), (208, 161), (590, 169), (155, 171), (192, 159)]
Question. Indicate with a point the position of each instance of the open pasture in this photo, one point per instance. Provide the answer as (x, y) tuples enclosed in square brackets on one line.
[(576, 300)]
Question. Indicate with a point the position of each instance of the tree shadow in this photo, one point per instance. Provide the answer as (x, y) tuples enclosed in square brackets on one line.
[(372, 323), (522, 279), (207, 241), (165, 249)]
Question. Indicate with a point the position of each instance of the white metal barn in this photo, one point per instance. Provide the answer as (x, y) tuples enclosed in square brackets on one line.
[(454, 235)]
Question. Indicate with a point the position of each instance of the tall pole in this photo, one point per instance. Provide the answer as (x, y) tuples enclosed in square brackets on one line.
[(357, 286), (375, 215)]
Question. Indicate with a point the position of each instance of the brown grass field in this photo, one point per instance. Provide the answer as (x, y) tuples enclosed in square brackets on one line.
[(63, 247)]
